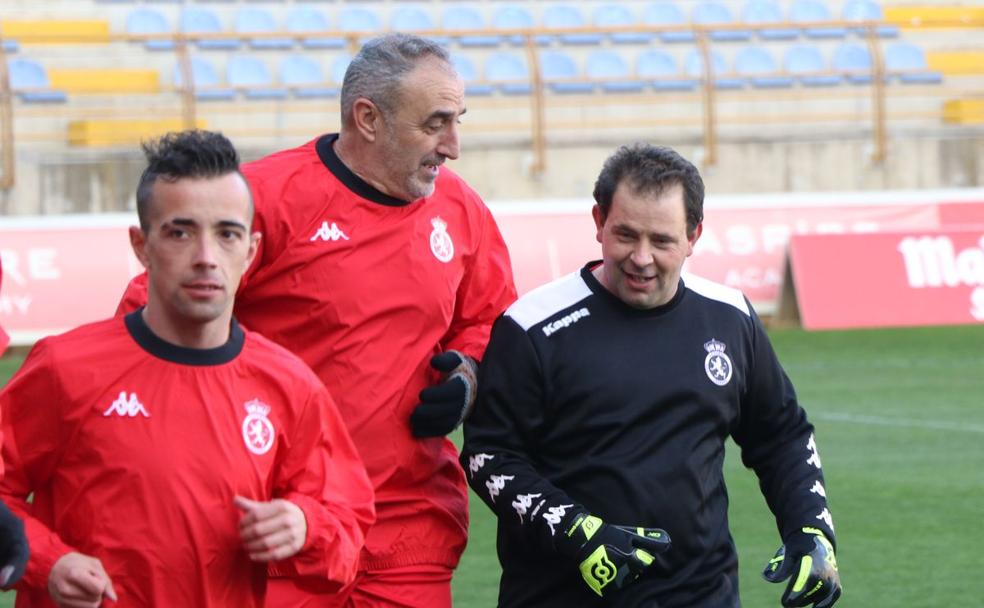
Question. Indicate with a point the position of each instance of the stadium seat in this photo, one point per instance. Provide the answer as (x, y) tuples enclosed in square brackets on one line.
[(414, 19), (466, 69), (662, 71), (807, 65), (512, 18), (617, 15), (339, 65), (29, 81), (508, 72), (200, 20), (304, 79), (760, 68), (813, 11), (560, 73), (854, 62), (144, 20), (255, 20), (667, 14), (713, 13), (462, 18), (764, 12), (561, 16), (10, 46), (612, 72), (866, 10), (694, 66), (907, 62), (359, 19), (304, 19), (206, 81), (250, 75)]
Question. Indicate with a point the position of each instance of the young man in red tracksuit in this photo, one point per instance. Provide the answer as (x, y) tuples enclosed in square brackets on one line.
[(384, 272), (175, 456), (13, 543)]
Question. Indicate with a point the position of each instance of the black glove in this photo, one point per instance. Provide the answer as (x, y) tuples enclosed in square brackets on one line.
[(808, 557), (446, 405), (13, 547), (608, 556)]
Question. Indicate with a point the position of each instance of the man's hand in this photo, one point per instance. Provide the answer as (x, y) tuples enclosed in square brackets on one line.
[(610, 557), (271, 530), (13, 547), (446, 405), (808, 557), (79, 581)]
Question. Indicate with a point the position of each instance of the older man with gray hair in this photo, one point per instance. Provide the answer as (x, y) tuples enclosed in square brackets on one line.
[(384, 271)]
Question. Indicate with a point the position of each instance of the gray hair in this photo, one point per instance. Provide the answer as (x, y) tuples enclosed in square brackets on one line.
[(377, 70)]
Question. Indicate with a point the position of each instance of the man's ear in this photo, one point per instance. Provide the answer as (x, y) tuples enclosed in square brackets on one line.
[(138, 241), (254, 246), (693, 236), (599, 220), (366, 118)]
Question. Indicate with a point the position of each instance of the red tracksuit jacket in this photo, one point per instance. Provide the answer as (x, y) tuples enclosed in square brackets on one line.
[(134, 449)]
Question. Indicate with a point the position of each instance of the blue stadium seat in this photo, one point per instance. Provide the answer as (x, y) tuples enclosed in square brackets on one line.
[(854, 62), (508, 72), (461, 18), (200, 20), (764, 12), (512, 18), (560, 16), (208, 87), (251, 75), (303, 77), (560, 73), (359, 19), (255, 20), (414, 19), (303, 19), (866, 10), (907, 62), (338, 67), (144, 20), (813, 11), (662, 71), (618, 15), (29, 81), (760, 68), (10, 46), (469, 73), (667, 14), (612, 72), (807, 65), (713, 13), (694, 66)]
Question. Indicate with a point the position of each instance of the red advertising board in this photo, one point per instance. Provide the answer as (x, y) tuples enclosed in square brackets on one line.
[(889, 279)]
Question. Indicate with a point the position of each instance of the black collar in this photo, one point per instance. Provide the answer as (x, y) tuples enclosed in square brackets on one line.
[(326, 152), (154, 345)]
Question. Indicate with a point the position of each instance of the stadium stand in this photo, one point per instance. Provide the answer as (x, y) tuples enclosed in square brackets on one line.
[(618, 15), (757, 65), (806, 64), (906, 61), (255, 20), (306, 19), (513, 17), (867, 10), (205, 81), (815, 11), (145, 20), (561, 74), (29, 81), (303, 77), (565, 16), (508, 72), (463, 18), (766, 12), (662, 71), (716, 14), (612, 72), (251, 76), (721, 75), (474, 85), (853, 60), (663, 14)]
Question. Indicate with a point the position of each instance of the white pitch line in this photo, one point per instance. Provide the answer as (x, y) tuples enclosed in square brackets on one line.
[(899, 422)]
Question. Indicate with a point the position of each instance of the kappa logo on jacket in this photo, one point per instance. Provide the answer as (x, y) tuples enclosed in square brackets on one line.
[(127, 406), (329, 232)]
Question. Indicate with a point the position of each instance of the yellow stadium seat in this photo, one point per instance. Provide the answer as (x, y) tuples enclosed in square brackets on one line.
[(40, 31), (964, 111), (956, 62), (112, 132), (106, 80), (935, 16)]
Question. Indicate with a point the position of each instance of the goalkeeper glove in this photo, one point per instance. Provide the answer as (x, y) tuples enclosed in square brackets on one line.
[(610, 557), (13, 547), (808, 557), (446, 405)]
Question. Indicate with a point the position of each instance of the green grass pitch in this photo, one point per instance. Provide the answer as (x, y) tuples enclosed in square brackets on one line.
[(900, 426)]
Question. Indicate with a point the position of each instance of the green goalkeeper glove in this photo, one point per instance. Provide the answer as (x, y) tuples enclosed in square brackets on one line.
[(610, 557), (808, 557)]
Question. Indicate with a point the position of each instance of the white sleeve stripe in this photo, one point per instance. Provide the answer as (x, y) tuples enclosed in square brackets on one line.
[(716, 291), (549, 299)]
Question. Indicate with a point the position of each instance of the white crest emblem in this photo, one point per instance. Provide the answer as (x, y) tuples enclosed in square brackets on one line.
[(717, 364), (440, 241), (258, 431)]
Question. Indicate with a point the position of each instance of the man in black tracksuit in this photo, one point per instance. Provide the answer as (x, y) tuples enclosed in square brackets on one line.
[(605, 400)]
